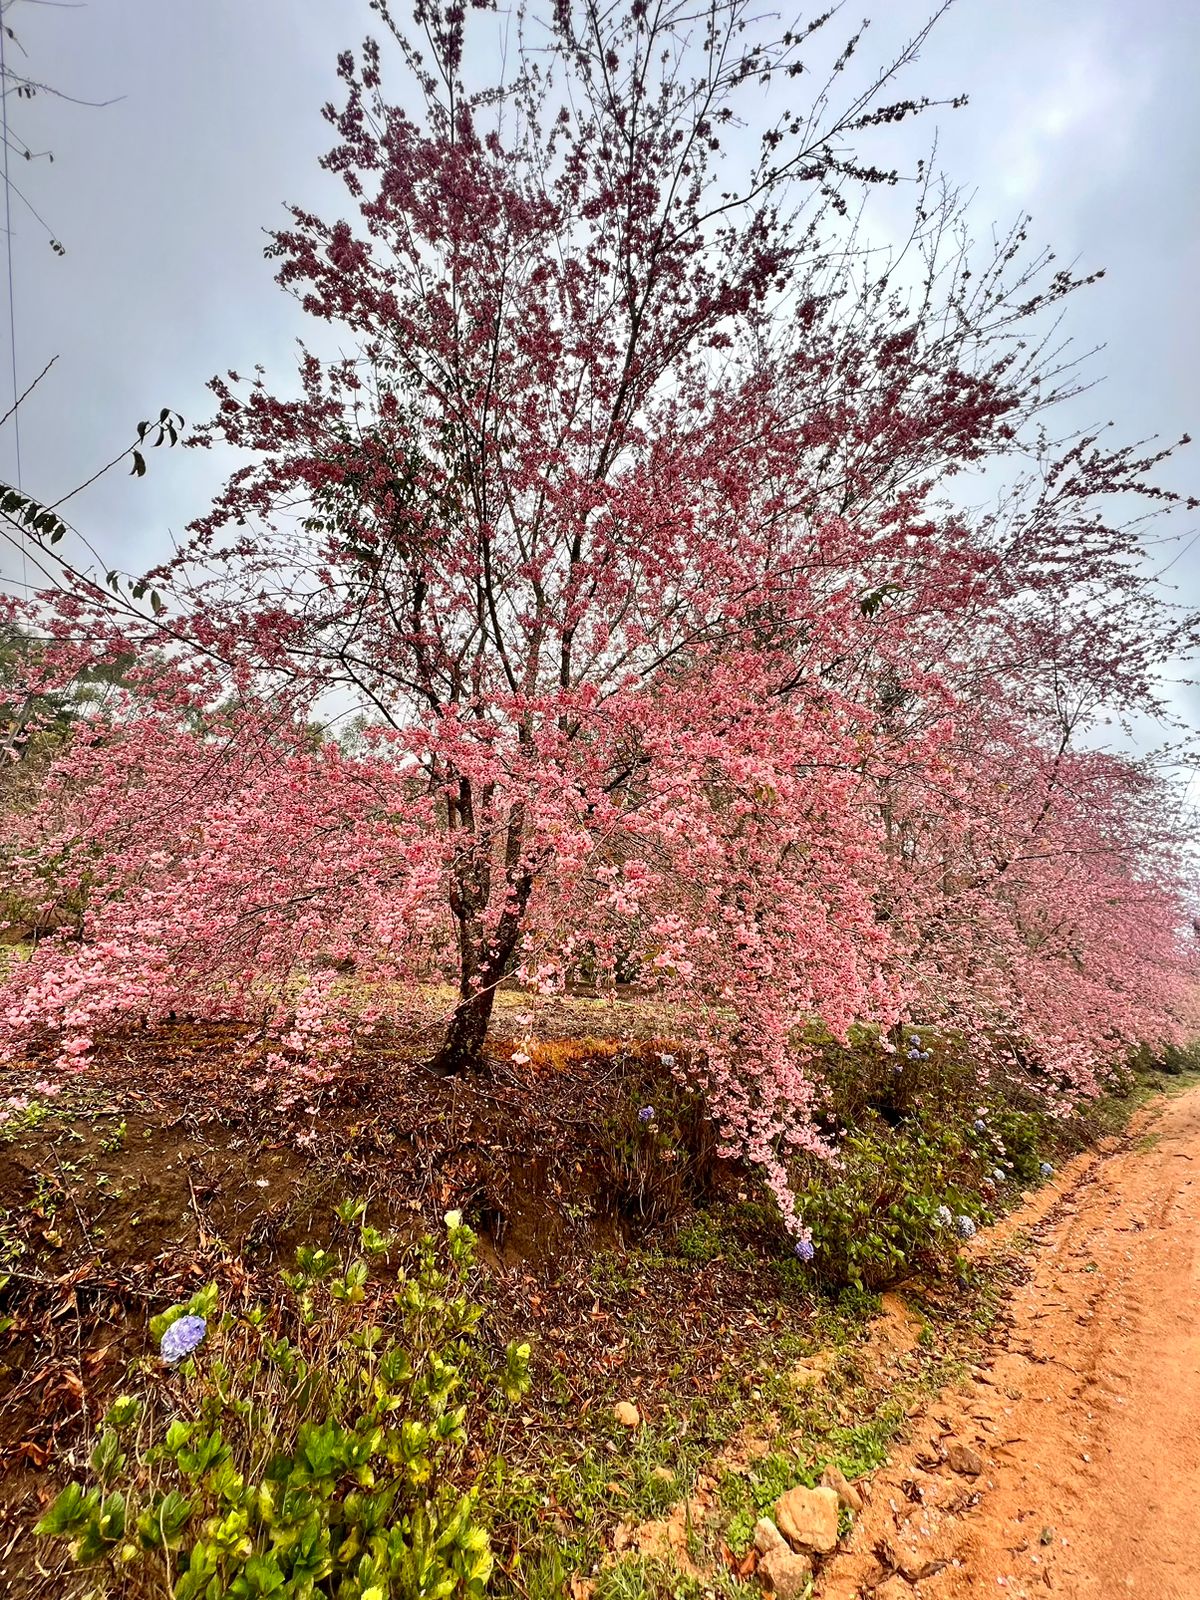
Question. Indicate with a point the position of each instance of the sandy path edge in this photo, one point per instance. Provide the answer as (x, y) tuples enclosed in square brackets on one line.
[(1086, 1412)]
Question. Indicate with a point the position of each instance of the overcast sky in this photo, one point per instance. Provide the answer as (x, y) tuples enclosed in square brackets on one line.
[(1082, 112)]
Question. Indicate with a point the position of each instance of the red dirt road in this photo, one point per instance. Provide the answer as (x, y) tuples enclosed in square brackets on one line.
[(1087, 1419)]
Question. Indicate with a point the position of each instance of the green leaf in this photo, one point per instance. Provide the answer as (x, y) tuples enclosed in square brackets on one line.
[(68, 1512), (111, 1522), (107, 1457), (178, 1435), (262, 1574), (160, 1323), (124, 1411), (164, 1521)]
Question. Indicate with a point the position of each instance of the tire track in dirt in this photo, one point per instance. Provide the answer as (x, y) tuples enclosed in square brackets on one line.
[(1086, 1414)]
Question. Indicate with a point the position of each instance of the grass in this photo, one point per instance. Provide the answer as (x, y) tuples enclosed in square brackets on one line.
[(851, 1419), (647, 1578)]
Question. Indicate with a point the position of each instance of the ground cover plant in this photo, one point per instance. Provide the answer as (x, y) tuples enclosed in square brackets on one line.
[(313, 1442)]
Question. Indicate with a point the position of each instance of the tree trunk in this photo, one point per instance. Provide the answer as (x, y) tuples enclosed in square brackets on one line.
[(462, 1048), (481, 959)]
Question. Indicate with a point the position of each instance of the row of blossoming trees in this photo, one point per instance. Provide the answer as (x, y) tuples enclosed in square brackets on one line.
[(630, 521)]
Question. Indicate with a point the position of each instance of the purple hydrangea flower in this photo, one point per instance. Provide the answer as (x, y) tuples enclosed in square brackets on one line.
[(964, 1227), (1000, 1175), (804, 1249), (980, 1125), (182, 1337), (944, 1216), (1046, 1169), (646, 1114)]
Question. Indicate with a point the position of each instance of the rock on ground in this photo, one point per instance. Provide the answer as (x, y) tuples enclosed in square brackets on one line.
[(767, 1537), (962, 1459), (834, 1478), (808, 1518), (785, 1573)]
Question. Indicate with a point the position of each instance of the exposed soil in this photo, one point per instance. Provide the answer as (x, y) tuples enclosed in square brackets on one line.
[(1086, 1414)]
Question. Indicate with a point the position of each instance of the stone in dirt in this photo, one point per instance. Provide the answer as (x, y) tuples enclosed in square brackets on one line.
[(667, 1539), (785, 1573), (627, 1414), (834, 1478), (808, 1518), (962, 1459), (767, 1537), (812, 1370)]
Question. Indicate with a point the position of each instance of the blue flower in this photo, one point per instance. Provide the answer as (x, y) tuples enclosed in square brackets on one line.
[(804, 1249), (924, 1055), (182, 1337), (1000, 1175), (914, 1040), (980, 1125), (964, 1227), (1046, 1169), (914, 1055), (944, 1216), (646, 1114)]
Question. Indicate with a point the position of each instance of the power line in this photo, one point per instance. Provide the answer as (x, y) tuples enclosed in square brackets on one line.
[(12, 312)]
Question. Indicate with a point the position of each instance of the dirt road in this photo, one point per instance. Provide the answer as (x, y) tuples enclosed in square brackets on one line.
[(1086, 1419)]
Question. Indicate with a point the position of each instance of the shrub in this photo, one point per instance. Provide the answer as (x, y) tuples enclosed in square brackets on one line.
[(312, 1449), (1015, 1137), (1171, 1059), (882, 1210), (657, 1150)]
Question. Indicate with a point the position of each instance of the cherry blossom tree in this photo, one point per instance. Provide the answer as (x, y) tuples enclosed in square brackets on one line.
[(631, 521)]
